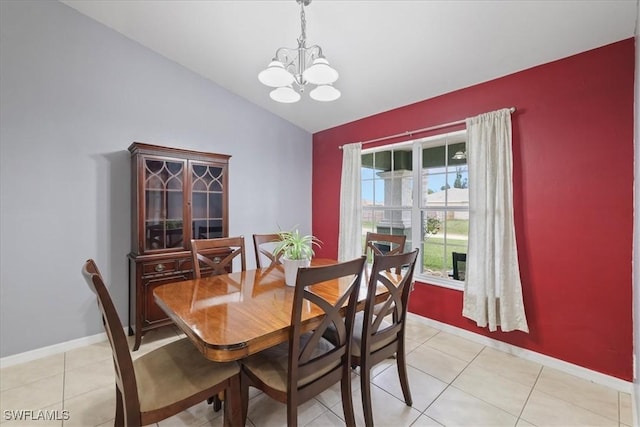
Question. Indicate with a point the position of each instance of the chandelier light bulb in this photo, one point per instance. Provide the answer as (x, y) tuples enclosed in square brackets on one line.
[(285, 94), (275, 75), (325, 93), (320, 72)]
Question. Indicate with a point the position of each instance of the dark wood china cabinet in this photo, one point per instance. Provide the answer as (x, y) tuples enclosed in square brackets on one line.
[(176, 195)]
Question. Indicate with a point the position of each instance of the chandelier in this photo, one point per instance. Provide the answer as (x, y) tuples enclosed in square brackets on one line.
[(300, 66)]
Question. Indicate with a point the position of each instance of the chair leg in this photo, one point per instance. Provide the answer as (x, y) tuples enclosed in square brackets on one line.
[(347, 400), (292, 415), (402, 373), (119, 421), (365, 385), (217, 402)]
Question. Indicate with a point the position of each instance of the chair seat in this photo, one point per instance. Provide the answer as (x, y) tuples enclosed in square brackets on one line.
[(176, 371), (270, 365), (356, 342)]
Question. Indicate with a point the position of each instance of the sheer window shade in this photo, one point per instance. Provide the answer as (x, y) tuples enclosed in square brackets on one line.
[(350, 237), (493, 290)]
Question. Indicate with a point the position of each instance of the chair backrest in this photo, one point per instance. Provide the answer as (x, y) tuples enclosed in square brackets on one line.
[(395, 273), (310, 370), (459, 265), (384, 244), (203, 249), (264, 239), (125, 375)]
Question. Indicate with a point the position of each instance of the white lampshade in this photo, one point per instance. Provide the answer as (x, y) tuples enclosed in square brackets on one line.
[(320, 73), (325, 93), (460, 155), (275, 75), (285, 94)]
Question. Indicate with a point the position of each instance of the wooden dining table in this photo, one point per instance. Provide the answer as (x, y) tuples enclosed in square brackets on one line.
[(231, 316)]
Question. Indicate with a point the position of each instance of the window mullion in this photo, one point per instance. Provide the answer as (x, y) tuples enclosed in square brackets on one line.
[(416, 211)]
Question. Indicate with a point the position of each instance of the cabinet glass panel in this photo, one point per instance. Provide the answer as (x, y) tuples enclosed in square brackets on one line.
[(207, 186), (164, 200), (215, 205), (207, 229)]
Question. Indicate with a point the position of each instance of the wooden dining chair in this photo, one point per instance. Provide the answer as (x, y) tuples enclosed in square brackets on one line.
[(265, 239), (202, 251), (300, 369), (208, 252), (383, 244), (165, 381), (379, 330)]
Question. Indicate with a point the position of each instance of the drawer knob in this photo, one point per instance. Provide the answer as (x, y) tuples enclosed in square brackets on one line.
[(160, 267)]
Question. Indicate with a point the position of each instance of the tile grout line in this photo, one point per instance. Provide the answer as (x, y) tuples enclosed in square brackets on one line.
[(619, 395), (449, 384), (485, 401), (526, 401), (577, 406)]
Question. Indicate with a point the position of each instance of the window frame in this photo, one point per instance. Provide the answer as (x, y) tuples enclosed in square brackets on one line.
[(417, 145)]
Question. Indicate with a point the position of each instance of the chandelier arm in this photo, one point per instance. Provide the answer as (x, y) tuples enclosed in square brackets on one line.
[(295, 60), (282, 54), (315, 51), (288, 56)]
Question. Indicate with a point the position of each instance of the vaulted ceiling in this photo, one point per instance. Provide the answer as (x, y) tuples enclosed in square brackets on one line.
[(388, 53)]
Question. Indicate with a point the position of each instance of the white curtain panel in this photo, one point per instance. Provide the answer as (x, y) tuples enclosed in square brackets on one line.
[(350, 234), (492, 291)]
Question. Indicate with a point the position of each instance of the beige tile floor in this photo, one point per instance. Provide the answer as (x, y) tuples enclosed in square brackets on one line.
[(454, 382)]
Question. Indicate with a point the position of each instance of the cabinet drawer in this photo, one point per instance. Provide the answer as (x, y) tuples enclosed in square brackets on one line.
[(159, 267)]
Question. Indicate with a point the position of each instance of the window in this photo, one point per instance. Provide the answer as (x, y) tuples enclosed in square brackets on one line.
[(387, 192), (422, 182)]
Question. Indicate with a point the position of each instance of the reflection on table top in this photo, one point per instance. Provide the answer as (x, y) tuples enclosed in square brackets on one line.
[(231, 316)]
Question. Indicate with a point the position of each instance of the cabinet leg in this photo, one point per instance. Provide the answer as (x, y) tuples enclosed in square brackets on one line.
[(136, 345)]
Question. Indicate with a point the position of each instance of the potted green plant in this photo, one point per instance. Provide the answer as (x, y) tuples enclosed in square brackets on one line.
[(296, 250)]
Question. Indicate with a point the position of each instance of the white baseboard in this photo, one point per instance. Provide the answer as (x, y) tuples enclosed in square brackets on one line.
[(570, 368), (636, 404), (39, 353)]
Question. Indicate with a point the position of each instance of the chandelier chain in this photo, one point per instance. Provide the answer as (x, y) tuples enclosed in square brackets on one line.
[(303, 23)]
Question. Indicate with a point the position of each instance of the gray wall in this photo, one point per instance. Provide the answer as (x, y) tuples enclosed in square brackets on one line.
[(74, 95)]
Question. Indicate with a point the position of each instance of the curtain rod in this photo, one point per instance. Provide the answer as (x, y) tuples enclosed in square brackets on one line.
[(412, 132)]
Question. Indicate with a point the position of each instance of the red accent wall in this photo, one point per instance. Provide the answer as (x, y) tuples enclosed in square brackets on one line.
[(573, 195)]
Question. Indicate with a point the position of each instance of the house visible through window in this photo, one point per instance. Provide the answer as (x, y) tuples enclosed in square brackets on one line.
[(423, 182)]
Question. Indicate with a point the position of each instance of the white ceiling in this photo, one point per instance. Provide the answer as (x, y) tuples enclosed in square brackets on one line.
[(388, 53)]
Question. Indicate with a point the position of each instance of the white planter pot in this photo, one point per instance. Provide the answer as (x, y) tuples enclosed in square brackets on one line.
[(291, 269)]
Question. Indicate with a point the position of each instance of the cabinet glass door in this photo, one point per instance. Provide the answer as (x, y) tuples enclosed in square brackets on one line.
[(207, 201), (163, 184)]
